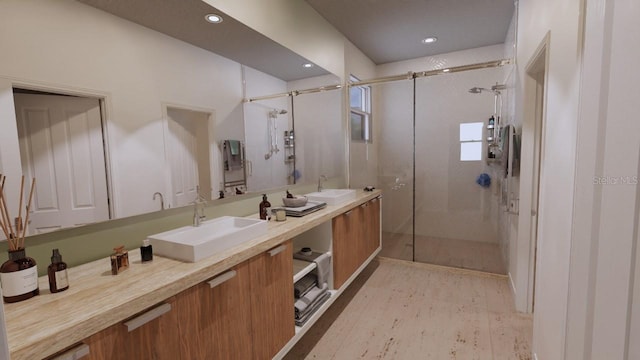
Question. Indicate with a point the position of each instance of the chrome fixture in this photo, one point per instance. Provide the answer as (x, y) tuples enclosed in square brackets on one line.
[(155, 195), (198, 208), (272, 130), (320, 179)]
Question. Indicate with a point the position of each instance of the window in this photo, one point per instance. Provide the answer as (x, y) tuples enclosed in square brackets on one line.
[(360, 102), (471, 141)]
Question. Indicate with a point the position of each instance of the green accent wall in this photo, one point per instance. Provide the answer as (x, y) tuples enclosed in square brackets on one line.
[(92, 242)]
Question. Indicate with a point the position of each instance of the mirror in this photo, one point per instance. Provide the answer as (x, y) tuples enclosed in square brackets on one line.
[(146, 83), (295, 139)]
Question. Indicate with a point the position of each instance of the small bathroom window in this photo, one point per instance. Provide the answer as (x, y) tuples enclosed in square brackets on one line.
[(360, 103), (471, 141)]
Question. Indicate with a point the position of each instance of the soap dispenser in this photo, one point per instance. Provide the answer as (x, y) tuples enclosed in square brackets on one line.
[(265, 206), (57, 272)]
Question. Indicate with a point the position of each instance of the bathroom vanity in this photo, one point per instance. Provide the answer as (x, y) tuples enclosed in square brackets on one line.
[(239, 301)]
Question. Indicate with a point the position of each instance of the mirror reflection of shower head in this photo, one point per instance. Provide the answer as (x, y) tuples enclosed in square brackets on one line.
[(478, 90), (495, 89), (276, 112)]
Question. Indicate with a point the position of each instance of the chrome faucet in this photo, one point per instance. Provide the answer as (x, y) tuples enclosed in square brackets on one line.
[(198, 208), (156, 194), (320, 179)]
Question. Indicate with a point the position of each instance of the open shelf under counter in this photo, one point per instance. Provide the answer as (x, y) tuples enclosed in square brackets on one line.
[(302, 268), (316, 315)]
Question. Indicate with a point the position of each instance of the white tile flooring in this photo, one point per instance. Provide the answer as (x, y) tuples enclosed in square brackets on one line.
[(402, 310)]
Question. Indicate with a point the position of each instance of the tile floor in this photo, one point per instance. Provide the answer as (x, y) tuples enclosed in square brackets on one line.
[(464, 254), (402, 310)]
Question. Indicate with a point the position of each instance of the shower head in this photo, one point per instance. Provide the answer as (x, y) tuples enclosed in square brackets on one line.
[(478, 90), (276, 112), (495, 89)]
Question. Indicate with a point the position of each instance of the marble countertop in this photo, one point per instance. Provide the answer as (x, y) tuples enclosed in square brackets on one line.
[(95, 300)]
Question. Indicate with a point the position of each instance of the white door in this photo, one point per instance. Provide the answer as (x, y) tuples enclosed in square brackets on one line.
[(61, 145), (183, 158)]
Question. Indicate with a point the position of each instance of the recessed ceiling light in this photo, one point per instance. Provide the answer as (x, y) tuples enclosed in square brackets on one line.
[(429, 40), (213, 18), (307, 65), (446, 70)]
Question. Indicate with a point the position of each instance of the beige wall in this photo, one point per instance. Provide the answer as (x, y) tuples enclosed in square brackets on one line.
[(295, 25)]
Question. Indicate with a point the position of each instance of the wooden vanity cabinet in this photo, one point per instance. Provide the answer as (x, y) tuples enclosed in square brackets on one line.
[(348, 244), (272, 312), (372, 226), (214, 318), (156, 339), (356, 235)]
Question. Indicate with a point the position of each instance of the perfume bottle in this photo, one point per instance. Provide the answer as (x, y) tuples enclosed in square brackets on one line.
[(57, 272), (119, 260)]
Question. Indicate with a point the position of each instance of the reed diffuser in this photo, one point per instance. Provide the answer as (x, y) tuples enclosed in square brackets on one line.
[(19, 274)]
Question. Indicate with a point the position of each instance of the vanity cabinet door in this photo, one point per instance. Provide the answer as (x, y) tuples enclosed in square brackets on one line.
[(271, 297), (348, 245), (372, 226), (156, 338), (214, 318)]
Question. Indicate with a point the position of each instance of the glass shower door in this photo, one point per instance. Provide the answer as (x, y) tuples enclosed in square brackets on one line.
[(393, 121), (456, 219)]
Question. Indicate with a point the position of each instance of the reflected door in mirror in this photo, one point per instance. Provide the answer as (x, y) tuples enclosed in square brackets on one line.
[(61, 145), (188, 154)]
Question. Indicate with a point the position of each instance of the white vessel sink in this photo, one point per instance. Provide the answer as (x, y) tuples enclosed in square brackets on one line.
[(190, 243), (333, 196)]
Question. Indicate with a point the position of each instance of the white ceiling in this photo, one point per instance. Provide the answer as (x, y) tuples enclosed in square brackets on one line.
[(392, 30), (184, 20)]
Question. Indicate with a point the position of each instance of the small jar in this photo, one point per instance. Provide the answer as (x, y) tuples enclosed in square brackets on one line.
[(280, 214), (19, 277)]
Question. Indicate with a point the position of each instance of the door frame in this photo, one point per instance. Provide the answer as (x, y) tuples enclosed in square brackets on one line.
[(535, 116), (214, 156), (106, 112)]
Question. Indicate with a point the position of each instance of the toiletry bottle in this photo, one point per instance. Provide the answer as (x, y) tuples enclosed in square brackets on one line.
[(265, 207), (146, 251), (19, 277), (57, 271), (119, 260)]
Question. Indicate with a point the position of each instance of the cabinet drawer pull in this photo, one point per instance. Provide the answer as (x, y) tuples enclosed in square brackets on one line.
[(364, 205), (221, 278), (147, 317), (348, 213), (75, 353), (278, 250)]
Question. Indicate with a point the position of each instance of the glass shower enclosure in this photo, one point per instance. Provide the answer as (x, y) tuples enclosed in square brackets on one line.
[(429, 146)]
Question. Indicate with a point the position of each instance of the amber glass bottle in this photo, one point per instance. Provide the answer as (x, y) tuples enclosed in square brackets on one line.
[(57, 271), (19, 277)]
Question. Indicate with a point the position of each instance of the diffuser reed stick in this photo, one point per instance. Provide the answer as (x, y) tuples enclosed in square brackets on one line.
[(15, 237), (24, 227)]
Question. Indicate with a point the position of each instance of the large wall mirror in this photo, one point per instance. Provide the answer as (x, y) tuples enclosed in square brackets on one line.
[(116, 116)]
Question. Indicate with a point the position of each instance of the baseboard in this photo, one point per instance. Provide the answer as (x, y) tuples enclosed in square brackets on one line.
[(513, 286)]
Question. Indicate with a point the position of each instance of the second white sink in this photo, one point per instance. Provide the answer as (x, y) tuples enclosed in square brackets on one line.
[(333, 196), (191, 243)]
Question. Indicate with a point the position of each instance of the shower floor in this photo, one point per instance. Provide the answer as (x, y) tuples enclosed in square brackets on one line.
[(464, 254)]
